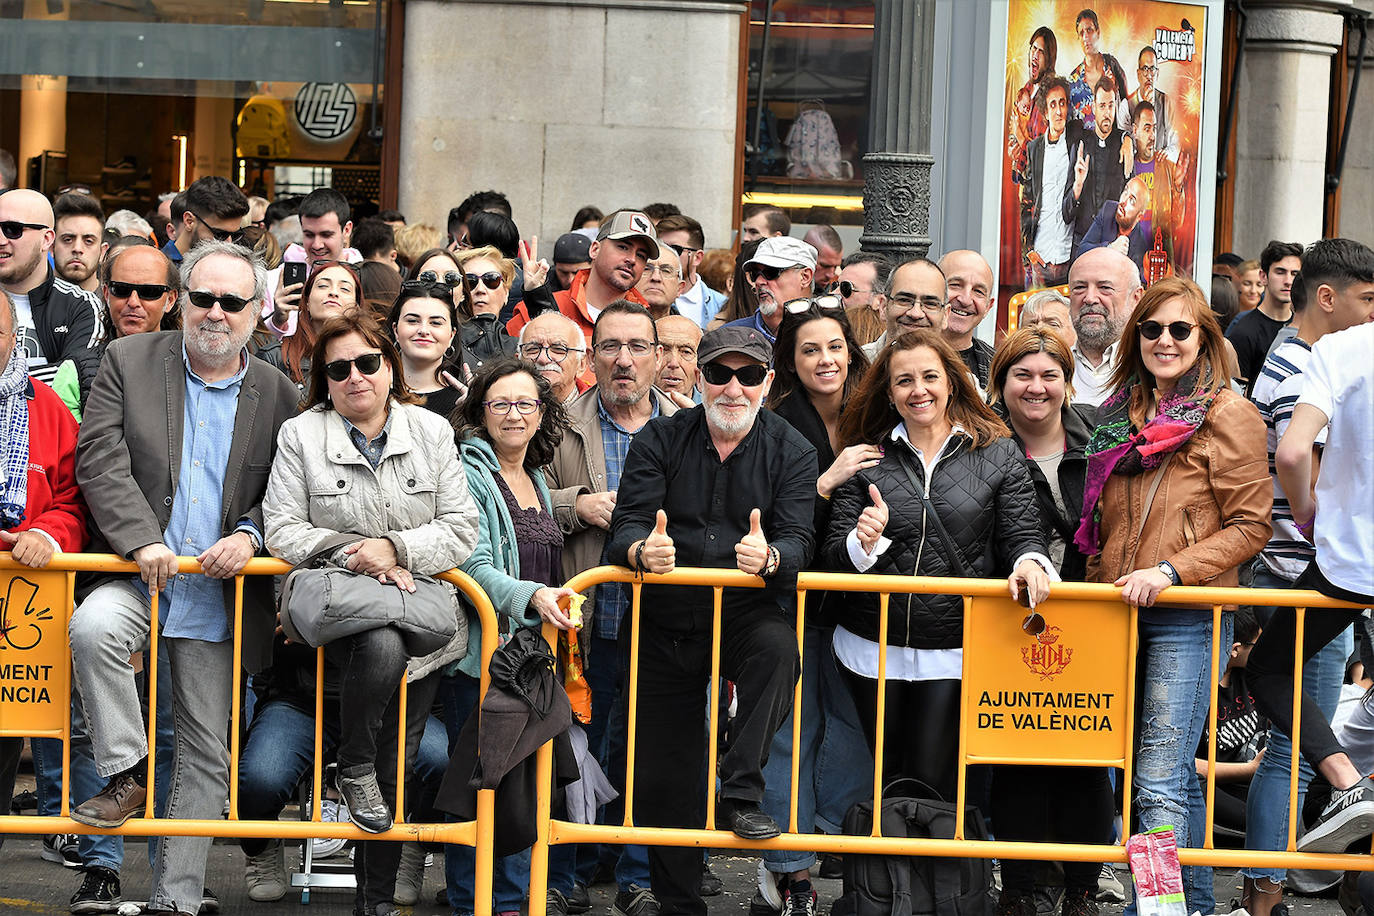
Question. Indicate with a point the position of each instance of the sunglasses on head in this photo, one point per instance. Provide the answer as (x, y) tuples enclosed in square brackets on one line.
[(491, 279), (13, 228), (146, 291), (681, 249), (820, 304), (752, 272), (340, 369), (1178, 330), (221, 235), (720, 374), (451, 278), (204, 299)]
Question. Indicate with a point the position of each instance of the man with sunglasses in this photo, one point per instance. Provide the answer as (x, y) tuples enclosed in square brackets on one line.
[(140, 286), (724, 485), (173, 458), (215, 209), (780, 270), (59, 322), (685, 237)]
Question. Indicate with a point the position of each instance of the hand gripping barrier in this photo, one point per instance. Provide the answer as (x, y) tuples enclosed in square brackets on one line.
[(1070, 665), (35, 701)]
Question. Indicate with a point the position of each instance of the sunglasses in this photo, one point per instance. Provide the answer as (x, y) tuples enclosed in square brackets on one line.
[(204, 299), (753, 271), (749, 376), (681, 249), (340, 369), (848, 289), (146, 291), (1178, 330), (491, 279), (451, 278), (13, 228), (221, 235), (820, 304)]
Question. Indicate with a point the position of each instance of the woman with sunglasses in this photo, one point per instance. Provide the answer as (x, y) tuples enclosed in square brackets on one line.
[(1177, 493), (331, 290), (402, 492), (424, 324), (488, 276), (817, 366), (510, 426), (1029, 385), (950, 496)]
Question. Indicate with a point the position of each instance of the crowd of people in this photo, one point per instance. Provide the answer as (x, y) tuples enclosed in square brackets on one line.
[(231, 378)]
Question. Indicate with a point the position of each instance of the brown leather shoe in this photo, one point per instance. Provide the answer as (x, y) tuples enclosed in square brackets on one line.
[(120, 800)]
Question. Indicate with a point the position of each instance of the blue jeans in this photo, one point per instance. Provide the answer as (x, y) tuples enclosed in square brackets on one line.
[(1174, 700), (1266, 807), (277, 754), (835, 768)]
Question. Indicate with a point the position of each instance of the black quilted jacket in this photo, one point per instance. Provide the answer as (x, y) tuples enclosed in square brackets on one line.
[(987, 503)]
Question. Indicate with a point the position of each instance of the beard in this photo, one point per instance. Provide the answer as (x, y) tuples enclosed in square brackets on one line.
[(1100, 334), (718, 419), (18, 268), (216, 342)]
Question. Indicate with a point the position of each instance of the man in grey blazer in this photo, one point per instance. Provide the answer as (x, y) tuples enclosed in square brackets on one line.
[(173, 457)]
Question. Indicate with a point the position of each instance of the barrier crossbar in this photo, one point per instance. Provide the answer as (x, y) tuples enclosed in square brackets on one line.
[(477, 833), (983, 599)]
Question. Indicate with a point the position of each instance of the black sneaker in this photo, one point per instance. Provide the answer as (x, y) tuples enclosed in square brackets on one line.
[(209, 903), (711, 885), (555, 903), (635, 901), (1348, 817), (99, 892), (579, 901), (799, 900), (60, 848)]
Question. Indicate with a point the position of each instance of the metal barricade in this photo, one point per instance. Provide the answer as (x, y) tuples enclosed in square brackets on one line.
[(992, 636), (37, 606)]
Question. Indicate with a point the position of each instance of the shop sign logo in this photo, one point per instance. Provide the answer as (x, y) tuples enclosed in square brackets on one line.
[(326, 111)]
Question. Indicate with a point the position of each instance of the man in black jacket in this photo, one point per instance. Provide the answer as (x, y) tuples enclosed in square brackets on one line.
[(721, 485), (58, 321)]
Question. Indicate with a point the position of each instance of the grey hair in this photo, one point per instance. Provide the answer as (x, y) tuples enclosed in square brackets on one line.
[(228, 249), (1030, 309), (127, 222)]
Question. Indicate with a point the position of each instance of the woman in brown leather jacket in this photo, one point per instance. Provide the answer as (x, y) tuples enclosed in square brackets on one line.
[(1177, 493)]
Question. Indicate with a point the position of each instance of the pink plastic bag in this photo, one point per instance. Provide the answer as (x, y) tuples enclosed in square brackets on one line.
[(1153, 858)]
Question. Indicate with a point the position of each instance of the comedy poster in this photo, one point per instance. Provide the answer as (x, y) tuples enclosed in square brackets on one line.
[(1103, 123)]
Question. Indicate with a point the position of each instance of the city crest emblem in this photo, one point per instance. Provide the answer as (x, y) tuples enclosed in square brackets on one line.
[(1046, 656)]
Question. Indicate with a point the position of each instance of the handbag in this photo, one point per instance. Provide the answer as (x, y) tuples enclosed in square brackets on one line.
[(321, 602)]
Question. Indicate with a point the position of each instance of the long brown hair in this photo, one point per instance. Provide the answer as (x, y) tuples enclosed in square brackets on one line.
[(1022, 343), (354, 321), (1212, 361), (785, 380), (296, 347), (871, 415)]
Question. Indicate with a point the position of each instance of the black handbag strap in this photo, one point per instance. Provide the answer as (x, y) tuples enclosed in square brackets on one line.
[(954, 558)]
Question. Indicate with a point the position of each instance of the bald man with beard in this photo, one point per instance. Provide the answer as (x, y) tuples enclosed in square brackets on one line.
[(58, 321)]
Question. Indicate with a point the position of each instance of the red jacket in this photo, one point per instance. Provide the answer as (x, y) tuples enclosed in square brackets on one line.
[(573, 303), (54, 503)]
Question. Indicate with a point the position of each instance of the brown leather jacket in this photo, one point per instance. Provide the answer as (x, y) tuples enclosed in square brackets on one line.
[(1210, 513)]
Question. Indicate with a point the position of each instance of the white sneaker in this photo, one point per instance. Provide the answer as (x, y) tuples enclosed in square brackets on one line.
[(265, 874), (410, 875), (331, 812), (768, 887), (1109, 887)]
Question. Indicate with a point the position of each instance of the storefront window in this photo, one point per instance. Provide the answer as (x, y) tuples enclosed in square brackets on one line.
[(807, 119), (135, 101)]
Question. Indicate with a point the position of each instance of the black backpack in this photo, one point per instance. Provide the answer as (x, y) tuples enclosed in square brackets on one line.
[(877, 885)]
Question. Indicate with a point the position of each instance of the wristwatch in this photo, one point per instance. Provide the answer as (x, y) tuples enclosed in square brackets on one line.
[(1168, 569)]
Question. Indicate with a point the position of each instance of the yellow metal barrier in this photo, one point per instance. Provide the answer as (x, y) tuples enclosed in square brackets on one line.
[(995, 651), (37, 605)]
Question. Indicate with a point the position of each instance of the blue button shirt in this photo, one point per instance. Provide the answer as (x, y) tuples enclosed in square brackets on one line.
[(193, 605), (754, 321), (613, 600)]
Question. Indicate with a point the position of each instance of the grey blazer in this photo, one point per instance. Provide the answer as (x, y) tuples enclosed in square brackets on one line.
[(129, 452)]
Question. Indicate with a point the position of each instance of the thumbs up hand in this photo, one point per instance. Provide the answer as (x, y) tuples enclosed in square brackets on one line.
[(658, 554), (872, 520), (751, 553)]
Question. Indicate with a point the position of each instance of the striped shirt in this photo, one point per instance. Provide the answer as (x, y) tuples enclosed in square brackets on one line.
[(1275, 394)]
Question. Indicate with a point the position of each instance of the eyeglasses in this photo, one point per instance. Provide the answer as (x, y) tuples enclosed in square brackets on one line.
[(610, 349), (557, 351), (204, 299), (13, 228), (848, 289), (340, 369), (1178, 330), (820, 303), (720, 374), (680, 249), (905, 302), (221, 235), (524, 406), (667, 270), (451, 278), (146, 291), (491, 279), (752, 272), (1147, 69)]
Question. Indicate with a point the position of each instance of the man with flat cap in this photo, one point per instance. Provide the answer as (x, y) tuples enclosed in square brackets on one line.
[(727, 485)]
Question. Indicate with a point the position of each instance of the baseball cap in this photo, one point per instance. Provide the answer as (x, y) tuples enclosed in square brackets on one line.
[(631, 224), (783, 251), (572, 248), (739, 339)]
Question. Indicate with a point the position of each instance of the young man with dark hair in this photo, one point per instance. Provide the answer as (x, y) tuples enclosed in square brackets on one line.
[(829, 255), (1253, 332), (493, 201), (393, 218), (215, 209), (684, 235), (759, 221), (376, 241), (79, 224), (326, 230)]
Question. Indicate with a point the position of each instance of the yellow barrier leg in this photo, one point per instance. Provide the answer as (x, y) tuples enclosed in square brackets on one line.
[(882, 711), (1299, 620)]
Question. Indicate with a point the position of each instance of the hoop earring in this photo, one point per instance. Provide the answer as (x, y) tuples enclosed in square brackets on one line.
[(449, 352)]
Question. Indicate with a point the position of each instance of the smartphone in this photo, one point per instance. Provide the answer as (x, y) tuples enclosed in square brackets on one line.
[(294, 272)]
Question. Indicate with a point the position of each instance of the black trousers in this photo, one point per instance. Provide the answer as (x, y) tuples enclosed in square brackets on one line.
[(1038, 804), (758, 651), (920, 729), (10, 751), (1270, 669)]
